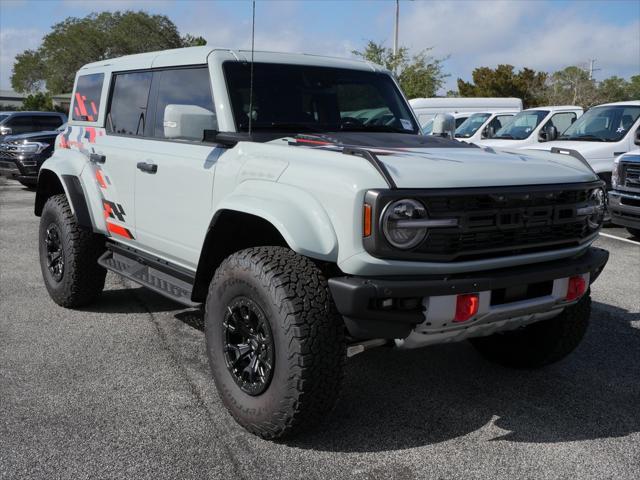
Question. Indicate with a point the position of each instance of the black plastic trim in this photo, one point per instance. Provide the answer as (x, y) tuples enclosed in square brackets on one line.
[(154, 262), (78, 201), (373, 159), (353, 296)]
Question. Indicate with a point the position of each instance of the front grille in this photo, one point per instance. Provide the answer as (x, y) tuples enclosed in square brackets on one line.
[(9, 155), (493, 222), (630, 173)]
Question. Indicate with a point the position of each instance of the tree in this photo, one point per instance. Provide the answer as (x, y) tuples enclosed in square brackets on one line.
[(98, 36), (526, 84), (39, 102), (420, 75), (572, 86), (633, 88), (613, 89)]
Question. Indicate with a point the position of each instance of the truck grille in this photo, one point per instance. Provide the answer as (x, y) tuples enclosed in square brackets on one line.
[(630, 173), (9, 155), (497, 222)]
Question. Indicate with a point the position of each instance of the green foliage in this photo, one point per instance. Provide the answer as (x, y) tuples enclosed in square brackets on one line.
[(420, 75), (38, 102), (503, 81), (572, 86), (98, 36), (633, 88)]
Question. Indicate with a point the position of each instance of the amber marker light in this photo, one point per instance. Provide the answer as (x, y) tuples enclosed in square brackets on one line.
[(366, 224)]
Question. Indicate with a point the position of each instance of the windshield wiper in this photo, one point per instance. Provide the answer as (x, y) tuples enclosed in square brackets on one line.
[(589, 138)]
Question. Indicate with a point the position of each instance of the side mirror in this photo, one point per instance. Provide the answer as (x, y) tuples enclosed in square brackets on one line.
[(636, 140), (187, 122), (444, 125), (489, 132), (549, 133), (5, 131)]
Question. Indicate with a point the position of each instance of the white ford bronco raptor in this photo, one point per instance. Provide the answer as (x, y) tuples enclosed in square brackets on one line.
[(293, 197)]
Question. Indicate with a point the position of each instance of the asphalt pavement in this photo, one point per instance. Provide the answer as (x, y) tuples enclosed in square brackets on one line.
[(122, 389)]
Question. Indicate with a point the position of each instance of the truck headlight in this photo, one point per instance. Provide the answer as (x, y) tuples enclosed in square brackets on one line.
[(615, 174), (400, 223), (595, 209), (32, 147)]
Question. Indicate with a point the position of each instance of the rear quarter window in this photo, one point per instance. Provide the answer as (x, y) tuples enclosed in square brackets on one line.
[(86, 99)]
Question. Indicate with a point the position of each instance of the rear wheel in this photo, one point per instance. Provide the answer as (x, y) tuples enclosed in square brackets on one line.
[(275, 343), (540, 343), (69, 256)]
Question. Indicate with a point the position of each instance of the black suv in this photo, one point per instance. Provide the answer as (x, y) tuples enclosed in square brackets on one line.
[(26, 141)]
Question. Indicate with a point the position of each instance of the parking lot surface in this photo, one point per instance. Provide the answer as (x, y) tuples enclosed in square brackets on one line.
[(121, 389)]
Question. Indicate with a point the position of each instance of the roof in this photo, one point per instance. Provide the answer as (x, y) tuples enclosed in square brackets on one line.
[(31, 112), (456, 102), (200, 55), (556, 107), (628, 102)]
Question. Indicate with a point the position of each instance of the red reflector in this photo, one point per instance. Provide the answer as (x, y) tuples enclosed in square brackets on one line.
[(466, 307), (576, 288)]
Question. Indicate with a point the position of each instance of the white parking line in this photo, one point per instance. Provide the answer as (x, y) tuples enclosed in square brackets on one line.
[(608, 235)]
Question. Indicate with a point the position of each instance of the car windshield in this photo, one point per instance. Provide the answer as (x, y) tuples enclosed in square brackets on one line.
[(522, 125), (471, 125), (427, 128), (603, 124), (302, 98)]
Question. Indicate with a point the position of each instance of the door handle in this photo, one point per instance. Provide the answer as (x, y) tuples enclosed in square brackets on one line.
[(147, 167), (97, 158)]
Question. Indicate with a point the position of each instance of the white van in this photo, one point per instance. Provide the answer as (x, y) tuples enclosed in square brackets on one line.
[(426, 108), (460, 118), (601, 135), (533, 126), (482, 125)]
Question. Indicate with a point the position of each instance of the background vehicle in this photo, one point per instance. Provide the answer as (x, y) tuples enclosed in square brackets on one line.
[(16, 123), (459, 119), (21, 156), (426, 108), (483, 125), (533, 126), (310, 232), (600, 135), (624, 198)]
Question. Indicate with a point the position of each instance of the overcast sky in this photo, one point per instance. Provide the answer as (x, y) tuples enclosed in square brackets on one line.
[(541, 34)]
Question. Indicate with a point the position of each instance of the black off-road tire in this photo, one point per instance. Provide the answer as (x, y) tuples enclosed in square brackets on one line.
[(308, 340), (541, 343), (82, 278)]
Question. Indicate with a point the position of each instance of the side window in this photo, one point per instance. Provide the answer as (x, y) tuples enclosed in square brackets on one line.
[(48, 123), (86, 100), (128, 108), (21, 124), (500, 121), (562, 121), (184, 109)]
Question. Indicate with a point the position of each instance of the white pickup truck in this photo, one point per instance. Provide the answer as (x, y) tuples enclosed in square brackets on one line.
[(483, 125)]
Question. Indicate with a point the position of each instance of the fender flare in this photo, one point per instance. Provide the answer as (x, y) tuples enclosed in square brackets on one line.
[(299, 217), (72, 189)]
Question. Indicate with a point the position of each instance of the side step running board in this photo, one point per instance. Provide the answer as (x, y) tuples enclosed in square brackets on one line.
[(136, 270)]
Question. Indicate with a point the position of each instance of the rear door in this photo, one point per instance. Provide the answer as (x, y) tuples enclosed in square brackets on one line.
[(174, 176)]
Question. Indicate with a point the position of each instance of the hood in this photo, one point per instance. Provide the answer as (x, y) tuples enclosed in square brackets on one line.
[(416, 161), (589, 150), (49, 135)]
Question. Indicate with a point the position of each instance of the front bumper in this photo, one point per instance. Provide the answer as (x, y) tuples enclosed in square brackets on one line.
[(364, 301), (625, 208), (24, 169)]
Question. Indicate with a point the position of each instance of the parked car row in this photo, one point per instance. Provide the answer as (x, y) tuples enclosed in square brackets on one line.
[(26, 141)]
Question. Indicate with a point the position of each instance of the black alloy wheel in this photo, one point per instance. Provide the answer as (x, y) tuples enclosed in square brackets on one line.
[(248, 346), (55, 252)]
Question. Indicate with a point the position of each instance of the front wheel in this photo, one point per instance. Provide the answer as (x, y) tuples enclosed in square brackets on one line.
[(540, 343), (69, 256), (275, 342)]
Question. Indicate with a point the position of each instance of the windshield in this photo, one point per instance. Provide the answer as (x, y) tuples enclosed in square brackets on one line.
[(603, 124), (427, 128), (302, 98), (522, 125), (471, 125)]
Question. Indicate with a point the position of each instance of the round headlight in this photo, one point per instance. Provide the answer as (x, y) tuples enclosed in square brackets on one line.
[(598, 199), (396, 223)]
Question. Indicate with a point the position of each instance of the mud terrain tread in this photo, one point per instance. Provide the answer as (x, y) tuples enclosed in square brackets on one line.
[(83, 277), (315, 333), (541, 343)]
